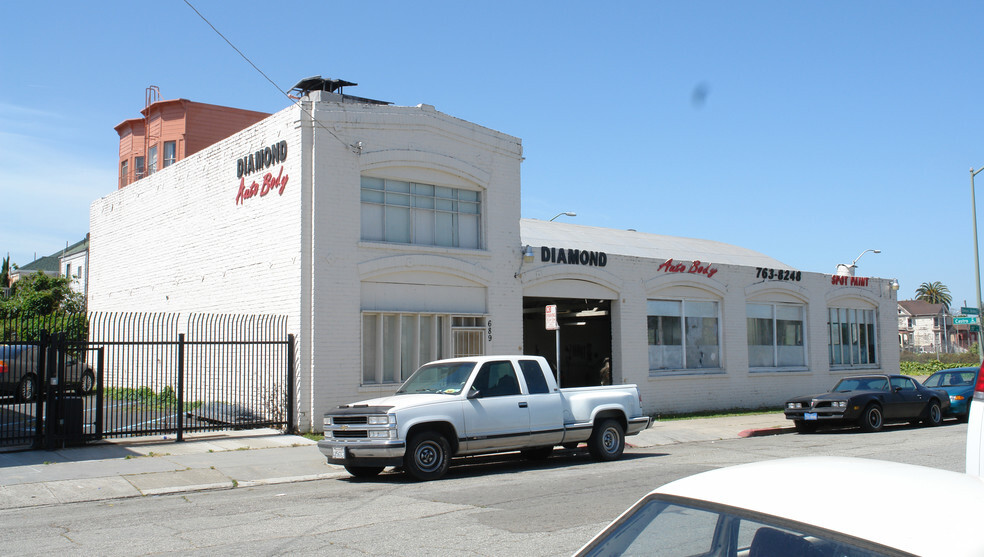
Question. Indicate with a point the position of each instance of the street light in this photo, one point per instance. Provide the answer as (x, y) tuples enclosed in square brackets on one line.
[(564, 214), (977, 263), (848, 270)]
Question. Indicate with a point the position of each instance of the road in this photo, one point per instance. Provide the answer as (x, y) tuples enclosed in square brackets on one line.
[(489, 507)]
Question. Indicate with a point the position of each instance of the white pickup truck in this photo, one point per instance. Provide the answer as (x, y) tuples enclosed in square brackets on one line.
[(479, 405)]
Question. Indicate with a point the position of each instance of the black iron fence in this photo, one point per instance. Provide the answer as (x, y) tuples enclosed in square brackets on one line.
[(126, 374)]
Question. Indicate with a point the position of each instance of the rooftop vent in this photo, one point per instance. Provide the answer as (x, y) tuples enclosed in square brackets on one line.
[(318, 83)]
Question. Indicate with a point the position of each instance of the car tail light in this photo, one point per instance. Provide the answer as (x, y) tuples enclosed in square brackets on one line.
[(979, 386), (3, 366)]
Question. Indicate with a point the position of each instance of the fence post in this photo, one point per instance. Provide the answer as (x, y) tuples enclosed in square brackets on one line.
[(291, 428), (99, 391), (40, 392), (181, 349)]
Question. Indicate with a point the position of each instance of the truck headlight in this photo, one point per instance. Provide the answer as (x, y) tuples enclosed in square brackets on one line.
[(381, 433), (379, 420)]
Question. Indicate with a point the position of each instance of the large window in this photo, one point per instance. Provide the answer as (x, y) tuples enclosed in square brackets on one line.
[(410, 213), (124, 173), (170, 153), (683, 334), (138, 163), (775, 335), (394, 345), (852, 337)]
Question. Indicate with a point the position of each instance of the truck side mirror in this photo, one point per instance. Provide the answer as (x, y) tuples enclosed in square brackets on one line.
[(473, 393)]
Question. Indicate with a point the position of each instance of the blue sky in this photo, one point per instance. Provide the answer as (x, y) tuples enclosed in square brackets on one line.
[(807, 131)]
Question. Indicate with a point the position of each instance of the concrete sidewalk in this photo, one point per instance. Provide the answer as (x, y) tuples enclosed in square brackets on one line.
[(225, 460)]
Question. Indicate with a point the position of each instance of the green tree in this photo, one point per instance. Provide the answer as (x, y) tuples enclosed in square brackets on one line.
[(5, 273), (38, 295), (935, 293)]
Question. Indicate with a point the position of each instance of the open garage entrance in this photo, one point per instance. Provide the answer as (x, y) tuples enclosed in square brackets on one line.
[(585, 338)]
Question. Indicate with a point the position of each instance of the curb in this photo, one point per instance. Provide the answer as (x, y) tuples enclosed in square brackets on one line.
[(764, 432)]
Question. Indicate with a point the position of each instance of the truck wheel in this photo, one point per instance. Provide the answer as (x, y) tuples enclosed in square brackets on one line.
[(607, 441), (428, 456), (363, 471), (537, 453)]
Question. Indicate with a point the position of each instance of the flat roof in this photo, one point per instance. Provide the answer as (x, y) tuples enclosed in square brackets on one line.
[(536, 232)]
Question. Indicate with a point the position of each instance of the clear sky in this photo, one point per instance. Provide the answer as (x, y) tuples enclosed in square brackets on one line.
[(808, 131)]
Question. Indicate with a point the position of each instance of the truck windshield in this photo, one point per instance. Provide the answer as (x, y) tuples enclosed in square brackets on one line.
[(446, 379)]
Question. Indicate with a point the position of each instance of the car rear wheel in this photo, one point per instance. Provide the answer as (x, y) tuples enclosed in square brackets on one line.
[(428, 456), (934, 414), (86, 382), (803, 426), (363, 471), (607, 441), (27, 388), (872, 419)]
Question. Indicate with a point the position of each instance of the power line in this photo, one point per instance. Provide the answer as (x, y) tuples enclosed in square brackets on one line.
[(355, 148)]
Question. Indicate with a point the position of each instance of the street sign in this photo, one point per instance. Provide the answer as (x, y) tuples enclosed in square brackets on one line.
[(552, 318), (964, 320), (969, 311), (975, 328)]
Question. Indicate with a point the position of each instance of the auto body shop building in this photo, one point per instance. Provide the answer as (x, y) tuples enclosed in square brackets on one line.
[(391, 236)]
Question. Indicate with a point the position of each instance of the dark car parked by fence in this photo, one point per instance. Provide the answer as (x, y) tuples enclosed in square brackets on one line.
[(20, 373)]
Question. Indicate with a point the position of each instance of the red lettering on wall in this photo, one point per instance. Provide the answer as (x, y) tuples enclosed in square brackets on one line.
[(269, 184), (696, 267), (843, 280)]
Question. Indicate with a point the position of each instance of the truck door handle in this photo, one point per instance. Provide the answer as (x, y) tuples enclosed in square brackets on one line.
[(522, 405)]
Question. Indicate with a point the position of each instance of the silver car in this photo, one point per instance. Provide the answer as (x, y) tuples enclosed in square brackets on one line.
[(19, 373)]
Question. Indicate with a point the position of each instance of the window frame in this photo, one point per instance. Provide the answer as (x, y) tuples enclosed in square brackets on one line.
[(173, 158), (684, 368), (774, 306), (124, 172), (152, 159), (391, 363), (419, 214), (850, 332)]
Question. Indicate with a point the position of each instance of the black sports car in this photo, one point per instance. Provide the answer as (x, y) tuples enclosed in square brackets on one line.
[(869, 401)]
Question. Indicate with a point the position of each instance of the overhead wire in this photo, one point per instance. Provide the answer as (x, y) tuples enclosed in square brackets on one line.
[(355, 148)]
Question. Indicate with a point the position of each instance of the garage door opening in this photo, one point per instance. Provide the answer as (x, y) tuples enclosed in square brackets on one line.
[(585, 338)]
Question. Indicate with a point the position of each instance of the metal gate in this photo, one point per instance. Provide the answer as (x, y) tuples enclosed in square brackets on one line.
[(134, 374)]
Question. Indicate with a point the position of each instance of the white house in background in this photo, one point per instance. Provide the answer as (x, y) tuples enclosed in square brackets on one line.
[(925, 327)]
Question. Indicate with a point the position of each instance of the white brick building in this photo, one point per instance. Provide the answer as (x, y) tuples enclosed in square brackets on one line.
[(391, 236)]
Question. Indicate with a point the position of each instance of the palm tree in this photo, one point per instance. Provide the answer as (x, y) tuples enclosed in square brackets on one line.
[(935, 293)]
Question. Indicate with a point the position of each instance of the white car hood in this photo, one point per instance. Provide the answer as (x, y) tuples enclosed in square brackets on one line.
[(404, 401)]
